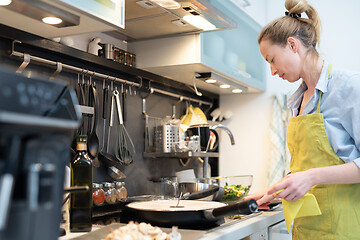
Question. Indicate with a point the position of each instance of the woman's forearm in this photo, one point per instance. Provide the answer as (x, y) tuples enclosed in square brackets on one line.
[(347, 173), (295, 185)]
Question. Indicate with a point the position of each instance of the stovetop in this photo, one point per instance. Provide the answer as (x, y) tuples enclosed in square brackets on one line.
[(125, 216), (119, 213)]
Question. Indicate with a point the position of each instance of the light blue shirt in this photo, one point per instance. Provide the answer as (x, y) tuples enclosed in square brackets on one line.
[(340, 105)]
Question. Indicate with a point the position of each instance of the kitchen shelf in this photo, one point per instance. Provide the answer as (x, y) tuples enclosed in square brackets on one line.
[(188, 154), (107, 209)]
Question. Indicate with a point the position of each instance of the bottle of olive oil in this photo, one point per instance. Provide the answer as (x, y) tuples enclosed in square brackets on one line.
[(81, 175)]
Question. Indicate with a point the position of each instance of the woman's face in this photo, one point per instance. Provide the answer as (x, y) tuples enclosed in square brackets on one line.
[(284, 61)]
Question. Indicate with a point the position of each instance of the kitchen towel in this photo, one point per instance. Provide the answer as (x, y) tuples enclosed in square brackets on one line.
[(304, 207), (194, 116), (278, 157)]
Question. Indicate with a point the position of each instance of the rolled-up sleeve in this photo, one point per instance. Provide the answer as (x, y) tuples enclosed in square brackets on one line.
[(350, 118)]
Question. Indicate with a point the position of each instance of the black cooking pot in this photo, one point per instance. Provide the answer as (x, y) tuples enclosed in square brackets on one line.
[(204, 133), (199, 190)]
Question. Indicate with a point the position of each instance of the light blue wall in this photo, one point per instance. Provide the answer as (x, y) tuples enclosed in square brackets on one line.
[(252, 112), (340, 30)]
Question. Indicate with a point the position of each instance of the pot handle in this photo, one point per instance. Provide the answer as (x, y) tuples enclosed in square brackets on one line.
[(242, 207), (203, 193)]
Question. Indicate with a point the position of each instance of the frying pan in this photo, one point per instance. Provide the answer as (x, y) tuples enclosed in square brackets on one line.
[(188, 213)]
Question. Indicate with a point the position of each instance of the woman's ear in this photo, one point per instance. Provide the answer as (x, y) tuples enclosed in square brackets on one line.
[(293, 44)]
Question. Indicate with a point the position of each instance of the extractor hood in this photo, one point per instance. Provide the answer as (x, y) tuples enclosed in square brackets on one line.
[(144, 19), (26, 15)]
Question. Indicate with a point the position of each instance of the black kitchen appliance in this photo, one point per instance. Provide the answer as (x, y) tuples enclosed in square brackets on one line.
[(37, 122)]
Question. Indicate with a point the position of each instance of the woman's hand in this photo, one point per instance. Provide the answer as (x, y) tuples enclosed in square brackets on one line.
[(262, 199), (294, 186)]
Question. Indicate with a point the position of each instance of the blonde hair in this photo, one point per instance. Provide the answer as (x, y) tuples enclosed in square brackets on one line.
[(306, 30)]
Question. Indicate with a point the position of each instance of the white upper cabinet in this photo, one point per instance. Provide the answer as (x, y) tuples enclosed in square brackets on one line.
[(231, 56), (256, 9)]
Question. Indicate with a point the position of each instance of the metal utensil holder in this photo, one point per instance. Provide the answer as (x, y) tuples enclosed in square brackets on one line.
[(160, 137), (165, 137)]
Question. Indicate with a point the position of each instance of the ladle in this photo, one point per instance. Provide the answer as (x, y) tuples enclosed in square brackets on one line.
[(93, 141)]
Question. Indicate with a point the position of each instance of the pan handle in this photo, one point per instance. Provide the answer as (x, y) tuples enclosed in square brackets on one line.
[(242, 207), (203, 193)]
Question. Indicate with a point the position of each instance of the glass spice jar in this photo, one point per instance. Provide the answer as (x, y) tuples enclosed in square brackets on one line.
[(98, 194), (121, 192), (110, 196)]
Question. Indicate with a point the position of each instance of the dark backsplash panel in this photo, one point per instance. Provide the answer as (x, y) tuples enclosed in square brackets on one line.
[(142, 173)]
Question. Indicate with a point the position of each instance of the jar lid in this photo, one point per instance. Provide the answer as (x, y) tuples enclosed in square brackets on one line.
[(107, 184), (96, 185)]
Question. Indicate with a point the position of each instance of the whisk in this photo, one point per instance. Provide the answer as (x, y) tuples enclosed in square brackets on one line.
[(125, 149)]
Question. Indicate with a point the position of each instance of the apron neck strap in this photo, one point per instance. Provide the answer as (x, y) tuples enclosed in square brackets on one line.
[(320, 95)]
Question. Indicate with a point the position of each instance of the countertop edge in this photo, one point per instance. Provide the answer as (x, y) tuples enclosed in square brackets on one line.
[(238, 230), (247, 227)]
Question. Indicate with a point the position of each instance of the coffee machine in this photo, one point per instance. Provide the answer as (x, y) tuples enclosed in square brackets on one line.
[(38, 118)]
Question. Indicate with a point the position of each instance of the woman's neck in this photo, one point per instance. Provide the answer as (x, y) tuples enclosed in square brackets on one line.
[(311, 72)]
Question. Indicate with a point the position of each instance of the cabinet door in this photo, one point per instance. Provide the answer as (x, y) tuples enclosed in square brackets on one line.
[(256, 9), (235, 52), (261, 235), (278, 231)]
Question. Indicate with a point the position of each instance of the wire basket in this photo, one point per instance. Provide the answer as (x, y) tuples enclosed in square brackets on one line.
[(160, 137), (165, 137)]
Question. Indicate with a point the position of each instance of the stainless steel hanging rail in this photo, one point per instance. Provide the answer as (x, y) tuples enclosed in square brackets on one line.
[(65, 66), (27, 58), (180, 96)]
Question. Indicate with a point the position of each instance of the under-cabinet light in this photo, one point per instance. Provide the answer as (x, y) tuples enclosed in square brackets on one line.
[(224, 86), (237, 90), (210, 80), (169, 4), (220, 81), (199, 22), (39, 10), (5, 2), (52, 20)]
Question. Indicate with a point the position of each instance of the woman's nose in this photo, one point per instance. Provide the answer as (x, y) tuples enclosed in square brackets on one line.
[(273, 70)]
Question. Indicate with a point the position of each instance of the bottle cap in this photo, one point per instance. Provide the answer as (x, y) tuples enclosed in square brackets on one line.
[(81, 138)]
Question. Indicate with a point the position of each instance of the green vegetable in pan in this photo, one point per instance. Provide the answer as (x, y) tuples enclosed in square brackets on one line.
[(234, 192)]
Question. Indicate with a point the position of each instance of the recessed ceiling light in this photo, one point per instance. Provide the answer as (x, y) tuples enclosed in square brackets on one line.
[(224, 86), (237, 90), (5, 2), (210, 80), (52, 20)]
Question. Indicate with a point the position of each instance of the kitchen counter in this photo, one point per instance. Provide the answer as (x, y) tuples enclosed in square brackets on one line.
[(242, 229), (232, 230)]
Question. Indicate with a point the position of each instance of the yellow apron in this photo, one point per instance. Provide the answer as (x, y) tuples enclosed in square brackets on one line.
[(339, 203)]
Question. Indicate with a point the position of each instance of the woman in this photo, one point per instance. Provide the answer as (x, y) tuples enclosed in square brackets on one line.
[(324, 131)]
